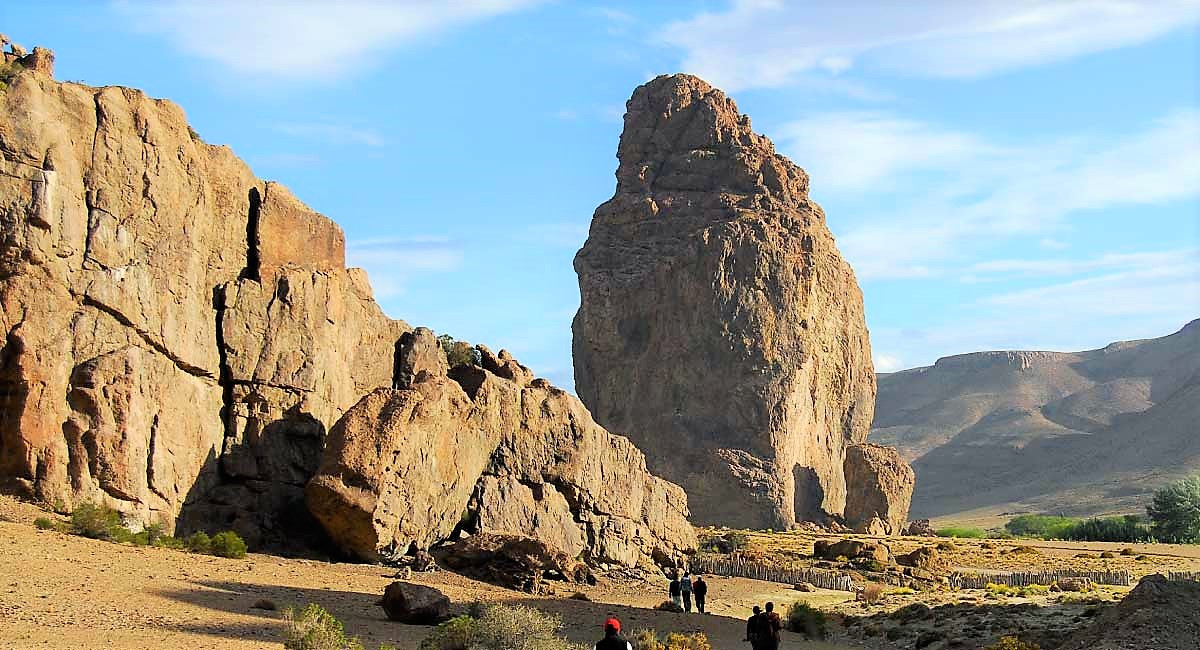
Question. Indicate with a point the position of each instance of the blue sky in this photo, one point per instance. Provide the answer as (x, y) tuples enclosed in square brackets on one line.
[(1001, 174)]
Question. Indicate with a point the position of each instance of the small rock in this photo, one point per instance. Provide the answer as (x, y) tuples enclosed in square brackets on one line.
[(415, 604)]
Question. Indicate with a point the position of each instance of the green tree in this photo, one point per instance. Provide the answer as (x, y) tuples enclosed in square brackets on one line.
[(1175, 512)]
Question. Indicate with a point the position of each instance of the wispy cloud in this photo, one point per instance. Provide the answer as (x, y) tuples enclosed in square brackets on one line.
[(393, 262), (767, 43), (887, 363), (333, 133), (1108, 297), (982, 190), (303, 39)]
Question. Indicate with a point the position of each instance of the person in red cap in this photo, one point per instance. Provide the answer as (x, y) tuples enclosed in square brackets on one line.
[(612, 636)]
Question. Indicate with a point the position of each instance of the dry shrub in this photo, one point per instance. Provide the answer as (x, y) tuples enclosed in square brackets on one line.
[(516, 627), (313, 628), (645, 639), (668, 606), (807, 620), (873, 593), (694, 641), (454, 634), (1012, 643)]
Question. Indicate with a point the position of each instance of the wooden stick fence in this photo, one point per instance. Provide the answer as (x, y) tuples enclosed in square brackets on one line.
[(1183, 575), (1025, 579), (740, 567)]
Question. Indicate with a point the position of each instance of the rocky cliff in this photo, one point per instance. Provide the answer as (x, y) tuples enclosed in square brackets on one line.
[(719, 328), (178, 334), (496, 454), (1079, 433)]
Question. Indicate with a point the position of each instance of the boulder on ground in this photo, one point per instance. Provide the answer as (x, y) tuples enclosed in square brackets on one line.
[(415, 604), (1073, 584), (806, 587), (851, 549), (879, 489), (514, 561), (920, 528), (925, 557)]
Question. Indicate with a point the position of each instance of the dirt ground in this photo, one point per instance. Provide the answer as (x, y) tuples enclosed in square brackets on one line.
[(61, 591)]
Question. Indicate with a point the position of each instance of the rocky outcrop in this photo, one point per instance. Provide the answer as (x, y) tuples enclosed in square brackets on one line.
[(882, 486), (516, 562), (405, 602), (1158, 613), (469, 449), (178, 334), (719, 327)]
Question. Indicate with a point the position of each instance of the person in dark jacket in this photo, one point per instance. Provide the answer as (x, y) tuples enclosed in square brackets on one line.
[(674, 592), (752, 625), (612, 637), (771, 627), (700, 591)]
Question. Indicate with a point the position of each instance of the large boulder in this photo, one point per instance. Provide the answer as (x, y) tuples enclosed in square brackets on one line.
[(405, 602), (719, 327), (880, 489), (472, 450), (178, 334), (925, 557), (517, 562)]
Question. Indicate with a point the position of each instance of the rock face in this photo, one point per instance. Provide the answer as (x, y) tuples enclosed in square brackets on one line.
[(178, 334), (468, 449), (515, 561), (719, 328), (1158, 613), (882, 488)]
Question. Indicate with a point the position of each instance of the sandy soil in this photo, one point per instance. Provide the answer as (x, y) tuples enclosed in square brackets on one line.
[(61, 591)]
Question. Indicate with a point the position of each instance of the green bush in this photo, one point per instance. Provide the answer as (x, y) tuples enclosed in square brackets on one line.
[(807, 620), (1041, 526), (962, 531), (97, 521), (455, 634), (1110, 529), (1175, 512), (44, 523), (459, 353), (199, 542), (228, 544), (737, 539), (313, 628), (8, 72)]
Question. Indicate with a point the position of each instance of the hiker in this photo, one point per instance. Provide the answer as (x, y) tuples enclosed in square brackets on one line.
[(700, 590), (685, 586), (612, 637), (752, 625), (673, 591), (770, 628)]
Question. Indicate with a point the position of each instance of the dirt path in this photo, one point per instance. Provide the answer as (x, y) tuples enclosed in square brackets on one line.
[(61, 591)]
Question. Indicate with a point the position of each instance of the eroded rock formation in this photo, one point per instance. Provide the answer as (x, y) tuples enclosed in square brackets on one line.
[(881, 487), (719, 328), (178, 334), (472, 449)]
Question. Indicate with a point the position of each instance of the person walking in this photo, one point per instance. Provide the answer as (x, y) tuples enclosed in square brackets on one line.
[(752, 628), (673, 591), (612, 637), (770, 628), (700, 591), (685, 586)]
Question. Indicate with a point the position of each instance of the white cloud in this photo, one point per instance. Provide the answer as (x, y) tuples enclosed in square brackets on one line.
[(983, 191), (394, 261), (766, 43), (887, 363), (333, 133), (303, 39), (1118, 297)]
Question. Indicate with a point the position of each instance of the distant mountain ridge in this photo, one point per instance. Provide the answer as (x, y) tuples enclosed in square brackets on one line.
[(1066, 432)]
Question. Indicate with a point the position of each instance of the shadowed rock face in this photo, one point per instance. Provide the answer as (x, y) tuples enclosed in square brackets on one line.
[(719, 327), (881, 489), (472, 449)]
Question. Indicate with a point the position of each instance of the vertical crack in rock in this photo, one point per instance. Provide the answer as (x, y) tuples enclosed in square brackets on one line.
[(253, 270)]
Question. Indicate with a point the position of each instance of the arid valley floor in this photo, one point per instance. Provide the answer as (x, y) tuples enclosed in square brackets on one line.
[(60, 591)]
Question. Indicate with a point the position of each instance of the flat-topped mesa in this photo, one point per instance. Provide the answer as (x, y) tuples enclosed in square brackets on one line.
[(719, 327)]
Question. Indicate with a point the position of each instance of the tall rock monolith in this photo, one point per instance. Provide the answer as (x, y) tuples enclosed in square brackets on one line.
[(720, 329)]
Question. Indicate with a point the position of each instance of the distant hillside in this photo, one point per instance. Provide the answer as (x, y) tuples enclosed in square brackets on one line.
[(1077, 433)]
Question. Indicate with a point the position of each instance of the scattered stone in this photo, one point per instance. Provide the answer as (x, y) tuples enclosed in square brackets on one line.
[(415, 604)]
